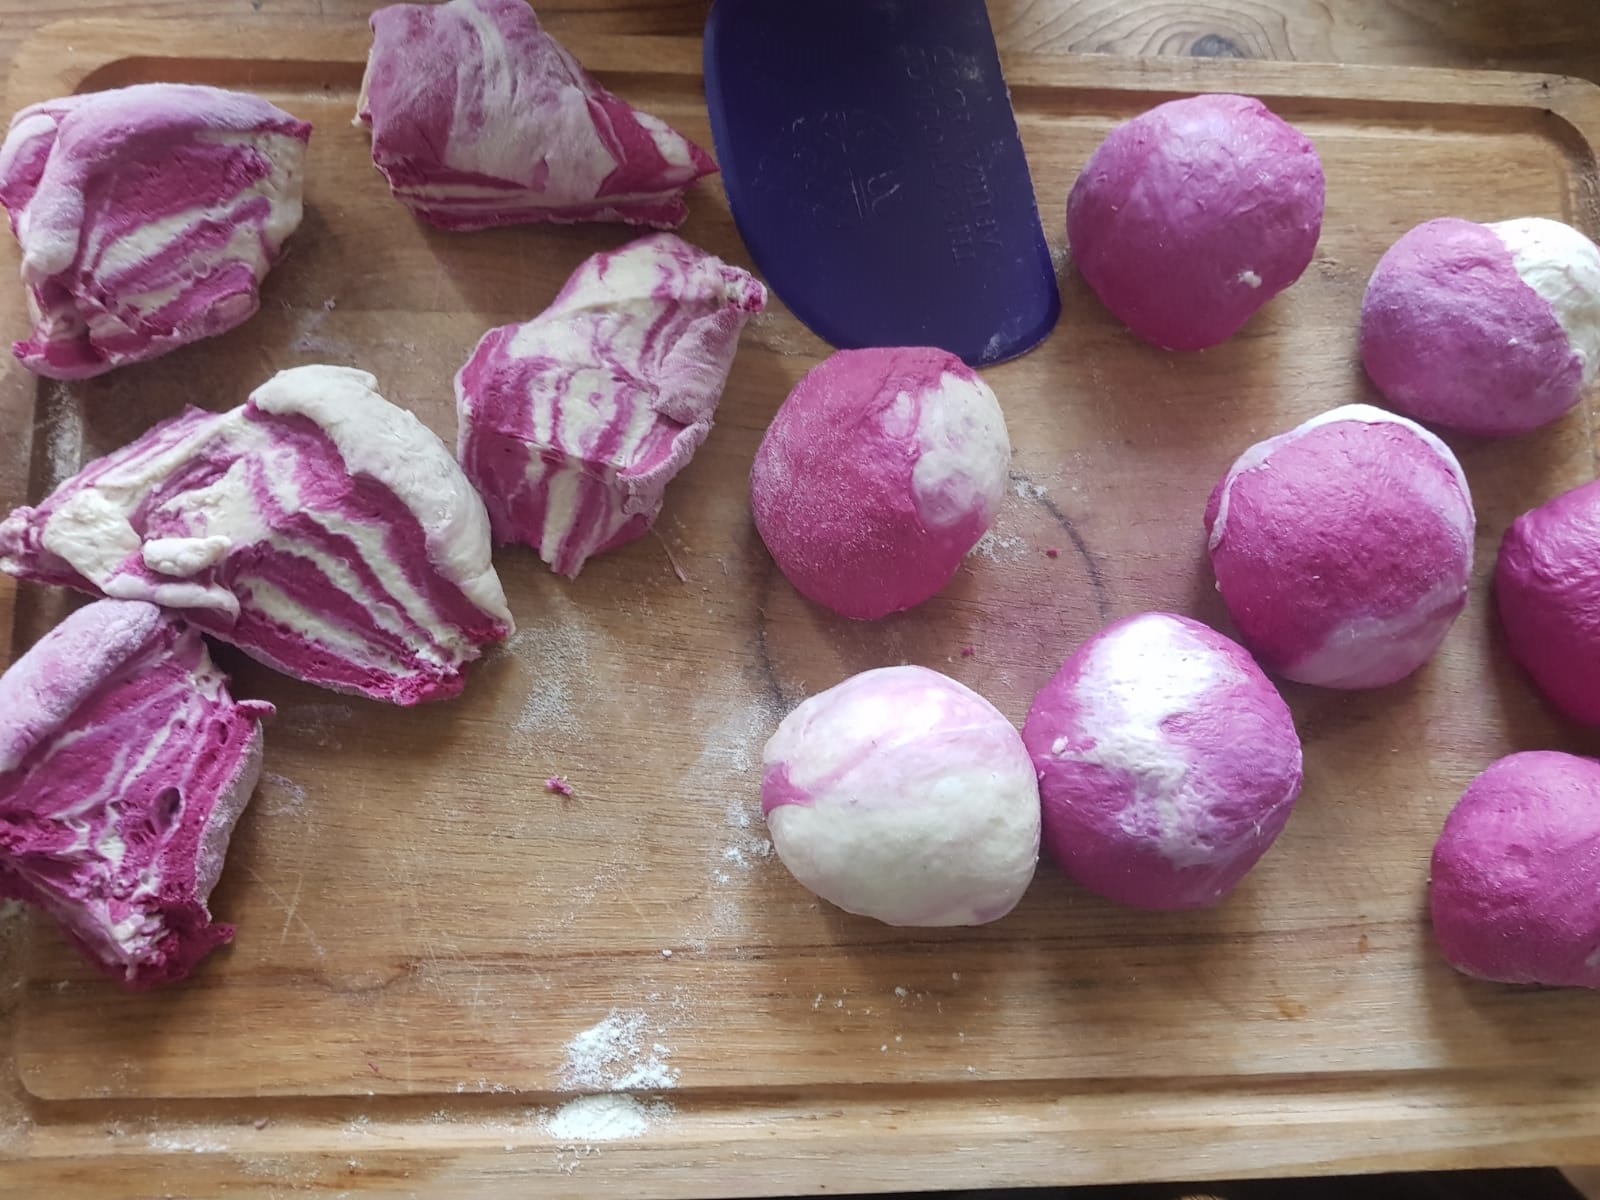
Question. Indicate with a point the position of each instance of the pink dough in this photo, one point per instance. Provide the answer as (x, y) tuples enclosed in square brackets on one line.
[(880, 472), (1189, 218), (1548, 587), (319, 528), (904, 796), (1168, 763), (1489, 329), (1343, 548), (573, 424), (124, 763), (1516, 873), (480, 118), (147, 216)]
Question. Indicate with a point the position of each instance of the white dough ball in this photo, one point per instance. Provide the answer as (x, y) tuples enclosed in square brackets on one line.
[(902, 795)]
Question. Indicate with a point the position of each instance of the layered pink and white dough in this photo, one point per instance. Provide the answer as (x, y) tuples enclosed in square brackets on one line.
[(124, 764), (1343, 548), (878, 475), (1487, 329), (1515, 886), (903, 796), (479, 118), (1168, 764), (572, 425), (319, 528), (148, 217), (1189, 218), (1547, 585)]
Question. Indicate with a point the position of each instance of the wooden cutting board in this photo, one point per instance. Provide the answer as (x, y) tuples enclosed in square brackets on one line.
[(423, 928)]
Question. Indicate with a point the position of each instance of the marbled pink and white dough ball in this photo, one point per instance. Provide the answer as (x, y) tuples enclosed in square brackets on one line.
[(904, 796), (1189, 218), (1515, 890), (1489, 329), (880, 472), (1343, 548), (1547, 584), (1168, 763)]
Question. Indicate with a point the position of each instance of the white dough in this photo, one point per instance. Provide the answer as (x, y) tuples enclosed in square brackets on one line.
[(1563, 266), (905, 796)]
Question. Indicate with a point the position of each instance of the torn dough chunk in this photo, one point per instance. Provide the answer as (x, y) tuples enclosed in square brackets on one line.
[(148, 217), (573, 424), (124, 764), (479, 118), (318, 527)]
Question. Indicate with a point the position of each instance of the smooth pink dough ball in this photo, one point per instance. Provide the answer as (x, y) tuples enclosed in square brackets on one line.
[(1547, 584), (880, 472), (1168, 763), (1515, 890), (1488, 329), (1189, 218), (1343, 548)]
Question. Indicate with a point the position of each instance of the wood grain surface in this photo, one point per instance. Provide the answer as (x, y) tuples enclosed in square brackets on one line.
[(1556, 36), (422, 928)]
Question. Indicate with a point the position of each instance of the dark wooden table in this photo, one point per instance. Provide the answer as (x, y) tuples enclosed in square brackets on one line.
[(1553, 35)]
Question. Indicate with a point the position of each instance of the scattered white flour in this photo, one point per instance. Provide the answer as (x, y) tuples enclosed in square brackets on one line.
[(735, 727), (63, 434), (11, 915), (13, 922), (747, 849), (1026, 489), (292, 1172), (614, 1056), (187, 1144), (998, 547), (605, 1118), (569, 1156), (288, 797), (557, 654), (782, 334), (901, 992), (314, 723), (1000, 544), (311, 340)]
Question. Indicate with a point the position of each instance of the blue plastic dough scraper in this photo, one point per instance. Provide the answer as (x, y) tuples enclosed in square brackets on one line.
[(873, 167)]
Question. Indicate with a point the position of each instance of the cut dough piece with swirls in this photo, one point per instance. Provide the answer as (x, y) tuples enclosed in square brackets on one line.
[(148, 217), (124, 764), (573, 424), (479, 118), (318, 527)]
